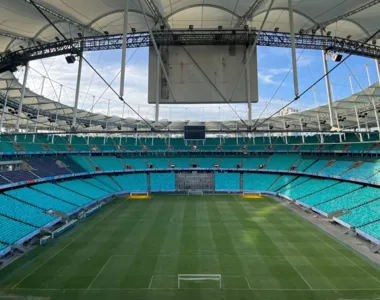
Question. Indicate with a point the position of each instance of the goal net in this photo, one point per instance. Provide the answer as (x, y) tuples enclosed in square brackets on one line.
[(194, 192), (199, 277)]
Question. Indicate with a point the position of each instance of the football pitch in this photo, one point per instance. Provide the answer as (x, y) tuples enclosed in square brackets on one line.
[(135, 249)]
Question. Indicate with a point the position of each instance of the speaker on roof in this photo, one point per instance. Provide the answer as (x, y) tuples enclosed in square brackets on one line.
[(336, 57), (70, 59)]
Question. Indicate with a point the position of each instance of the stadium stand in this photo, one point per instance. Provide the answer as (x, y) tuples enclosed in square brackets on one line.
[(108, 162), (281, 182), (132, 182), (309, 187), (258, 182), (227, 182), (162, 182), (84, 189), (12, 231), (362, 215), (372, 229)]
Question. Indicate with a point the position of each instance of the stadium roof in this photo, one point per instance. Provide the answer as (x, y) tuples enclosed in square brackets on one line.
[(22, 24), (345, 110)]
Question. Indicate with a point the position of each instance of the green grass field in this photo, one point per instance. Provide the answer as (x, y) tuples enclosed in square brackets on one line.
[(134, 249)]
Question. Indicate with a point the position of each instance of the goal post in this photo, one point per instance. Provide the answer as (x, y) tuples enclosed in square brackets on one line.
[(195, 192), (199, 277), (138, 195)]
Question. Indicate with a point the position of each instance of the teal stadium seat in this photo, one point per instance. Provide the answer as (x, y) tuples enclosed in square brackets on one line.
[(254, 162), (136, 163), (12, 231), (258, 182), (281, 161), (363, 215), (158, 163), (227, 182), (231, 162), (162, 182), (281, 182), (309, 187), (372, 229), (108, 163), (84, 188), (132, 182), (108, 182)]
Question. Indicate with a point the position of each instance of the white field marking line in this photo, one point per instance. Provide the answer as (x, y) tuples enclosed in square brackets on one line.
[(246, 279), (74, 240), (300, 275), (172, 289), (150, 283), (100, 271), (336, 250), (202, 254)]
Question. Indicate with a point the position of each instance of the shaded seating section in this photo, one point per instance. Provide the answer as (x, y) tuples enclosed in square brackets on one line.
[(309, 187), (136, 163), (294, 183), (158, 163), (337, 168), (258, 182), (20, 211), (281, 161), (61, 193), (180, 162), (41, 200), (12, 231), (85, 162), (227, 182), (281, 182), (303, 164), (108, 162), (316, 167), (17, 176), (162, 182), (108, 182), (350, 201), (206, 162), (70, 164), (231, 162), (132, 182), (3, 180), (330, 193), (46, 167), (254, 162), (372, 229), (363, 215), (7, 147), (364, 171), (84, 188), (99, 185)]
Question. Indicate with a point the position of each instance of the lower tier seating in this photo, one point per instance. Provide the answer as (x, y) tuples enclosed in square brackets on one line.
[(258, 182), (363, 215), (12, 231), (372, 229), (162, 182), (227, 181), (132, 182)]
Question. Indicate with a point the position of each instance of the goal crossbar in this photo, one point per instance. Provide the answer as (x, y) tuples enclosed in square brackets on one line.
[(194, 192), (199, 277)]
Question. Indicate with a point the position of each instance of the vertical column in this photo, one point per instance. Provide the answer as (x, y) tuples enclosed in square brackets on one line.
[(351, 86), (124, 48), (158, 89), (358, 122), (378, 70), (292, 41), (368, 75), (320, 129), (337, 123), (56, 114), (248, 87), (376, 113), (38, 110), (285, 133), (22, 96), (328, 87), (5, 107), (302, 136), (74, 123)]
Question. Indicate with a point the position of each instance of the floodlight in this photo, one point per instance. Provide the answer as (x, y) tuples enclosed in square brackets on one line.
[(21, 47), (191, 27), (373, 42), (220, 28), (70, 59), (119, 127), (106, 32), (246, 27), (314, 31), (162, 27), (328, 33), (301, 31), (348, 36), (133, 30), (80, 34), (57, 39), (276, 29)]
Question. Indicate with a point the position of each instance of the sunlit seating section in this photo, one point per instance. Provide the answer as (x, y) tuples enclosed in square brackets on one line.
[(12, 231), (304, 163), (316, 167), (132, 182), (281, 161), (364, 171), (294, 183), (136, 163), (282, 181), (206, 162), (20, 211), (254, 162), (108, 182), (372, 229), (363, 215), (227, 182), (162, 182), (84, 161), (330, 193), (350, 201), (258, 181), (231, 162), (309, 187), (41, 200), (337, 168), (57, 191), (108, 162), (180, 162), (158, 163), (84, 188), (376, 176)]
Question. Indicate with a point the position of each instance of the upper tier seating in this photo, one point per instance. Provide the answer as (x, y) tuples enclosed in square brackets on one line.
[(46, 167), (108, 182), (309, 187), (12, 231), (162, 182), (85, 189), (158, 163), (303, 164), (20, 211), (17, 176), (132, 182), (258, 182), (206, 162), (227, 182), (281, 182), (330, 193), (180, 162), (231, 162), (316, 167), (364, 171), (61, 193), (40, 200), (85, 162), (136, 163), (281, 161), (350, 201), (70, 164), (363, 215), (254, 162), (108, 162)]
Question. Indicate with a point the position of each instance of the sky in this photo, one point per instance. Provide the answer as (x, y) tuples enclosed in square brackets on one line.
[(275, 84)]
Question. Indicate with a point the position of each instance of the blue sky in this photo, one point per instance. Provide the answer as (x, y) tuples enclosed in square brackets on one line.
[(273, 66)]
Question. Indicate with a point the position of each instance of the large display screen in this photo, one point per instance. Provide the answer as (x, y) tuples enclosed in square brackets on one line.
[(195, 132)]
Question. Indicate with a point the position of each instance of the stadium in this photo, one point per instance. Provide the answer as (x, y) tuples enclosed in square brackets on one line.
[(161, 149)]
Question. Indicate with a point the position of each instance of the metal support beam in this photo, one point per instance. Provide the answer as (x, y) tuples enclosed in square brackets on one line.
[(56, 114), (158, 90), (5, 107), (328, 87), (285, 134), (249, 13), (22, 96), (376, 113), (292, 41), (368, 75), (124, 48), (302, 136), (337, 123), (351, 86), (248, 87), (358, 122), (77, 91), (36, 122), (377, 62), (320, 129)]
